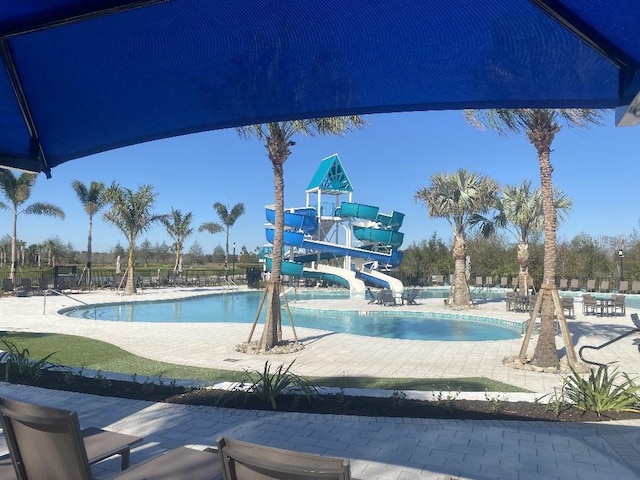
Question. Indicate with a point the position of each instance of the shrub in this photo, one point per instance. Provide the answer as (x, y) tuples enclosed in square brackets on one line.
[(269, 386), (602, 392)]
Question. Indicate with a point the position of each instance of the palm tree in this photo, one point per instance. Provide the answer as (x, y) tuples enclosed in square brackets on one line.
[(228, 218), (278, 142), (464, 199), (92, 199), (540, 126), (131, 213), (211, 227), (178, 227), (522, 208), (18, 190)]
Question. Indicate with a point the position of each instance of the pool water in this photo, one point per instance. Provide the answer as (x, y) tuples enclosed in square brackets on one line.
[(242, 308)]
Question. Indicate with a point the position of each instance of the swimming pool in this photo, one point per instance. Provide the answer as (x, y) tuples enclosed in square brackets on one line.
[(242, 308)]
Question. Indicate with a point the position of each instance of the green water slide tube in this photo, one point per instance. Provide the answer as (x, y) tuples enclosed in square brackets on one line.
[(292, 269), (357, 210), (393, 221), (377, 235)]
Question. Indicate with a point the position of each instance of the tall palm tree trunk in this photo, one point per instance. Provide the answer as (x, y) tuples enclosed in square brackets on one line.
[(523, 262), (89, 251), (14, 260), (461, 297), (130, 287), (546, 354), (272, 333)]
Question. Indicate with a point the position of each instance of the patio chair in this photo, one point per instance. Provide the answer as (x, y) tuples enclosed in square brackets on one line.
[(249, 461), (624, 286), (575, 284), (409, 297), (24, 289), (635, 287), (511, 301), (387, 299), (503, 282), (47, 443), (617, 304), (564, 284), (373, 297), (567, 305), (604, 286), (7, 285), (591, 285), (590, 305), (488, 282)]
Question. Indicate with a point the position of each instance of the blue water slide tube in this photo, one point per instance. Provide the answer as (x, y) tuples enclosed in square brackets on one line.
[(378, 282), (304, 218), (296, 239)]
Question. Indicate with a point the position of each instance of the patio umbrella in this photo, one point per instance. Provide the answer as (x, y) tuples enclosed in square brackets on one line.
[(85, 76)]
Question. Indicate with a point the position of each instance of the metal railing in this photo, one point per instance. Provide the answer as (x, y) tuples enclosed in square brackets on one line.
[(62, 294)]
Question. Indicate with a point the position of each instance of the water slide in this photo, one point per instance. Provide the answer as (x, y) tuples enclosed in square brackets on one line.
[(381, 230)]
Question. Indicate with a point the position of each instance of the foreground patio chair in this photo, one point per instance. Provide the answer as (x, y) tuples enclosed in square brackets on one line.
[(47, 443), (249, 461)]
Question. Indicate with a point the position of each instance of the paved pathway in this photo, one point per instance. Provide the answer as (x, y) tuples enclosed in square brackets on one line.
[(380, 448)]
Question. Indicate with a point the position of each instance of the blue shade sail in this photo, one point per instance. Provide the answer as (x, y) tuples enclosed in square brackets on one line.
[(85, 76)]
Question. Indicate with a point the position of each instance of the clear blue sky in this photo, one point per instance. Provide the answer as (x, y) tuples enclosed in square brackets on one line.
[(386, 163)]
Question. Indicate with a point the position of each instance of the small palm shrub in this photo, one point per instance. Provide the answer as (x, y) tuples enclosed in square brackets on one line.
[(600, 392), (19, 362), (270, 385)]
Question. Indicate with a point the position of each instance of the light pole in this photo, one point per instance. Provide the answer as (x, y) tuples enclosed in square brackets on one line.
[(621, 256), (233, 268)]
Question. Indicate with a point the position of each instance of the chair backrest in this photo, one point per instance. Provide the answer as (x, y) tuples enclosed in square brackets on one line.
[(591, 285), (478, 281), (624, 285), (567, 302), (248, 461), (604, 286), (44, 442), (563, 283), (575, 283), (503, 282)]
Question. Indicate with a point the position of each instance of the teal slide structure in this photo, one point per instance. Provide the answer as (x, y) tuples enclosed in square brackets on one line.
[(381, 230)]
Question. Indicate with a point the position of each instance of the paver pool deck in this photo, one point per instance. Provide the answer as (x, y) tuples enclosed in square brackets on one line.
[(380, 448)]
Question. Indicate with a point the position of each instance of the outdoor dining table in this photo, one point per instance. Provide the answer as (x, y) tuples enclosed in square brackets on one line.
[(604, 305)]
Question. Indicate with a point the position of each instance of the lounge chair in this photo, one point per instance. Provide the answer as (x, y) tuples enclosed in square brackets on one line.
[(488, 282), (47, 443), (249, 461), (7, 285), (387, 299), (503, 282), (635, 287), (373, 297), (574, 285), (624, 286), (563, 284), (24, 289), (591, 285), (604, 286), (409, 297)]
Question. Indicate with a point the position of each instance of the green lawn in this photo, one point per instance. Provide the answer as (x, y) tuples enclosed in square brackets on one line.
[(76, 351)]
